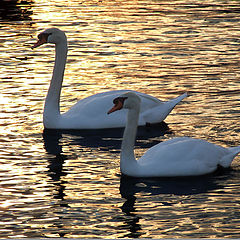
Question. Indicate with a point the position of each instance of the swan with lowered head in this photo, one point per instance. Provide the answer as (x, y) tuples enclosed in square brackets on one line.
[(89, 113), (182, 156)]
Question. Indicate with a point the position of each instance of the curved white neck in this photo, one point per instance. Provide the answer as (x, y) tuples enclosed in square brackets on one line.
[(52, 108), (127, 159)]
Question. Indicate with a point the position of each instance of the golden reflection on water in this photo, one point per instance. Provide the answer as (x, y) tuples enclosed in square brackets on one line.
[(160, 48)]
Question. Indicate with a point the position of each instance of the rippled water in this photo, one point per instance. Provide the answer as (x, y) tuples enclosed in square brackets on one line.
[(69, 184)]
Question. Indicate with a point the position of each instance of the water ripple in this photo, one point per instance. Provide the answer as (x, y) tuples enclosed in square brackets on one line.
[(68, 184)]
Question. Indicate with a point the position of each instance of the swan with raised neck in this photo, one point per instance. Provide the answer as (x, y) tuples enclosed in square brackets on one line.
[(90, 112), (182, 156)]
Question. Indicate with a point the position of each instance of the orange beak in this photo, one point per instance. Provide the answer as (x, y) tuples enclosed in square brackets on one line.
[(118, 105), (42, 38)]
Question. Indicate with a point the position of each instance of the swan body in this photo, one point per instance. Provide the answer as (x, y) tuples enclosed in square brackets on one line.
[(90, 112), (182, 156)]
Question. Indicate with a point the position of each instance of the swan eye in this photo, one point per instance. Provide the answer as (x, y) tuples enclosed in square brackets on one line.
[(44, 36), (119, 99), (115, 100)]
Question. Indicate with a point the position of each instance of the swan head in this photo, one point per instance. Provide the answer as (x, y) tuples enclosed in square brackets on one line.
[(50, 35), (129, 100)]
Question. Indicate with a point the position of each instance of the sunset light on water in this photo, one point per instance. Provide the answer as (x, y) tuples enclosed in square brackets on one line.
[(68, 184)]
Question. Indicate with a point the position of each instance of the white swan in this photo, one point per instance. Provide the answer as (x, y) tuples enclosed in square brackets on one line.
[(90, 112), (182, 156)]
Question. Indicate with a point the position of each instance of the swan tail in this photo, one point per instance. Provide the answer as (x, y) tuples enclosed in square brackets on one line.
[(227, 159), (235, 150), (178, 99)]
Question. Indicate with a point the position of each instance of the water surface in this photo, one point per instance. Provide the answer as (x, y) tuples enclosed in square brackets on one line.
[(69, 184)]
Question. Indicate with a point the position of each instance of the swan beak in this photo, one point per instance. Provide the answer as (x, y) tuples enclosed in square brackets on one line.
[(42, 38), (118, 104), (116, 107)]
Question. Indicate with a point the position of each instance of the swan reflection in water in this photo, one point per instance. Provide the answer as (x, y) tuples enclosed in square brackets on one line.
[(131, 189), (103, 140), (162, 190), (108, 138)]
